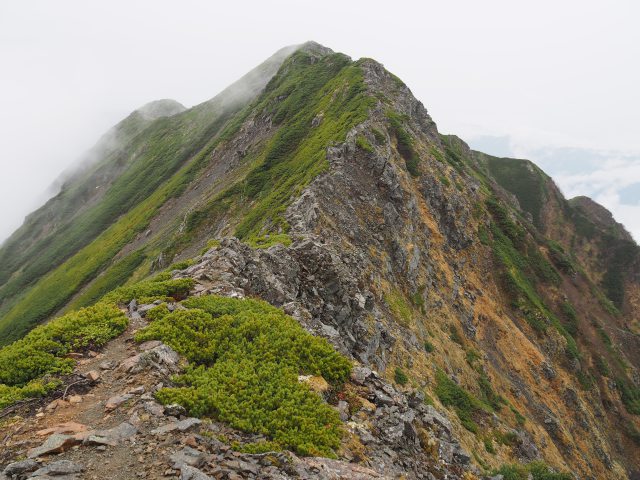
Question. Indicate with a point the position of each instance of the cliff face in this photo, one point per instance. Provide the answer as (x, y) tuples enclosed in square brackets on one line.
[(466, 281)]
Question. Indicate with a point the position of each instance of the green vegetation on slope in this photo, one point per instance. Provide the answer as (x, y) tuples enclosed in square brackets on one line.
[(404, 142), (520, 272), (330, 91), (466, 405), (115, 275), (245, 357), (623, 254), (54, 289), (166, 145), (524, 180), (29, 366), (26, 366)]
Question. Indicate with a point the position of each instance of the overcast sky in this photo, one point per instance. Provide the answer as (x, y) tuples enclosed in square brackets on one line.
[(536, 79)]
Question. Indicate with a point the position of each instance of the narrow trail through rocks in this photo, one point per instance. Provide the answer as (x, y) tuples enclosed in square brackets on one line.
[(116, 430)]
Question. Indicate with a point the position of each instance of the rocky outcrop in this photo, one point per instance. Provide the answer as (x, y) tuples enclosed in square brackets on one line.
[(389, 433)]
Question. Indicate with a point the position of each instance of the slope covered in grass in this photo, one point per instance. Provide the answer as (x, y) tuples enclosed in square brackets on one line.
[(30, 367)]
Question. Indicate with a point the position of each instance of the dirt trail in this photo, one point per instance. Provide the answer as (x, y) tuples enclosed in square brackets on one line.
[(114, 429), (138, 457)]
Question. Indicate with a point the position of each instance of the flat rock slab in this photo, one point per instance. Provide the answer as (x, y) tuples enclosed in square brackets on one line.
[(115, 402), (108, 365), (66, 428), (17, 468), (182, 425), (189, 456), (154, 408), (192, 473), (56, 443), (111, 437), (61, 467)]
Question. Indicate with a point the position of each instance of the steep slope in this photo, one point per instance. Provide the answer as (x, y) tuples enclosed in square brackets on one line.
[(464, 279), (148, 158)]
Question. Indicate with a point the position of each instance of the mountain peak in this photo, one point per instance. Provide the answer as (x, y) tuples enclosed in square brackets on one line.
[(600, 216), (161, 108)]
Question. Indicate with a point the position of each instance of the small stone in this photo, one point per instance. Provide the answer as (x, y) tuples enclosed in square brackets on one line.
[(360, 375), (154, 408), (187, 423), (92, 375), (113, 436), (115, 402), (174, 410), (182, 425), (56, 404), (188, 456), (343, 410), (129, 364), (108, 365), (192, 473), (74, 399), (191, 441), (137, 391)]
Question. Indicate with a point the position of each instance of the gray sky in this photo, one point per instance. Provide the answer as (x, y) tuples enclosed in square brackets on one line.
[(535, 79)]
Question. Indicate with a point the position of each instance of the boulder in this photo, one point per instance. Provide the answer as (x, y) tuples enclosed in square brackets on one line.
[(18, 468)]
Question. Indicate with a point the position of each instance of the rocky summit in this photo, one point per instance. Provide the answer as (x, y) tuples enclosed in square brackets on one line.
[(302, 278)]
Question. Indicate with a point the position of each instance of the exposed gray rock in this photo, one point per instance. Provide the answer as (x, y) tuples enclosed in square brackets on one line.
[(18, 468), (116, 401), (153, 408), (182, 426), (112, 436), (190, 473), (56, 443), (174, 410), (188, 456), (108, 365), (59, 468)]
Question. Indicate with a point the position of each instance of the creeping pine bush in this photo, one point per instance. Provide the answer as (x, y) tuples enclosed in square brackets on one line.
[(29, 366), (244, 360), (25, 363), (160, 287)]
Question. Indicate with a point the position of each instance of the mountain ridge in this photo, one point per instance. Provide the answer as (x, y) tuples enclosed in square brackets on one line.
[(460, 275)]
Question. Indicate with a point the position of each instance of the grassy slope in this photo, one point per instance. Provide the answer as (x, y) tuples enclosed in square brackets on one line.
[(296, 154), (524, 180), (331, 89), (166, 145)]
